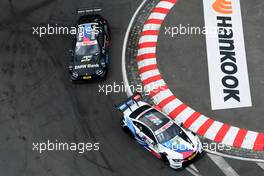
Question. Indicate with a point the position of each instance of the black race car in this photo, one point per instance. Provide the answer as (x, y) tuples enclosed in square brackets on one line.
[(90, 48)]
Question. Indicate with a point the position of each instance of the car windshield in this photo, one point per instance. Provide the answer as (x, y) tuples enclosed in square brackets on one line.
[(84, 50), (169, 133)]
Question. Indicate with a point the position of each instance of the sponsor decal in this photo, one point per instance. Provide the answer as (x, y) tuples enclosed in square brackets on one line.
[(87, 43), (86, 66), (155, 120), (227, 65), (86, 58), (79, 67), (87, 77), (223, 6), (87, 33), (92, 65), (192, 156), (165, 127)]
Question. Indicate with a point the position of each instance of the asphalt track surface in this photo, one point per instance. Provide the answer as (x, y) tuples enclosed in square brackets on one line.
[(38, 102)]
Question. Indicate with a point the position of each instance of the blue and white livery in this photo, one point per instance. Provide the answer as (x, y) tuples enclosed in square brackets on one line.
[(157, 133)]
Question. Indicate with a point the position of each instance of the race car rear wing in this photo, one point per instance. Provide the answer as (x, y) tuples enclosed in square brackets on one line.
[(129, 102), (86, 10)]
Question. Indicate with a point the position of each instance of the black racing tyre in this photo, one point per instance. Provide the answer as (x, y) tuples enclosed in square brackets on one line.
[(165, 159)]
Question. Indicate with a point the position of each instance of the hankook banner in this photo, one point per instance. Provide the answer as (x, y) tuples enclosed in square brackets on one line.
[(228, 73)]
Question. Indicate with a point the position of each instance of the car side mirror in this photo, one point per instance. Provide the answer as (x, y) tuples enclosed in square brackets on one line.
[(181, 124)]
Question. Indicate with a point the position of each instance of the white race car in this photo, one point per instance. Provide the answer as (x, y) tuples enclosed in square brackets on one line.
[(156, 132)]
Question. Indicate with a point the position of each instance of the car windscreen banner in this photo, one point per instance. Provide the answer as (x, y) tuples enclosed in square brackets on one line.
[(226, 55), (87, 33)]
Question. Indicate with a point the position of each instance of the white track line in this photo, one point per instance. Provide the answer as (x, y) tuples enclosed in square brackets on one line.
[(235, 157), (124, 72), (193, 171), (223, 165), (261, 165), (193, 167)]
